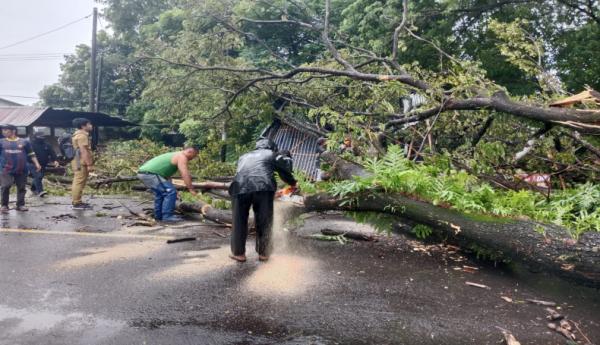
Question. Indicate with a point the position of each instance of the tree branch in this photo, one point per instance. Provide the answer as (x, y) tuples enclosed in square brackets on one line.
[(327, 41), (538, 135), (577, 137), (572, 118), (399, 29), (486, 125)]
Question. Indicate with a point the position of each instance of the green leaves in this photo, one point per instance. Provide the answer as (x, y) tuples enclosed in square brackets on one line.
[(576, 209)]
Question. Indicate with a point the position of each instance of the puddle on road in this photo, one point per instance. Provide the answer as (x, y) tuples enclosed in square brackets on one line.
[(20, 321), (104, 255)]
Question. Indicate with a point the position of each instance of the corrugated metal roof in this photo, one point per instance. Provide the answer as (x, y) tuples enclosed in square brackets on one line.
[(300, 140), (27, 116), (20, 116)]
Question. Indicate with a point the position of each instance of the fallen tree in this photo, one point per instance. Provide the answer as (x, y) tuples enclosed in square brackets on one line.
[(547, 246)]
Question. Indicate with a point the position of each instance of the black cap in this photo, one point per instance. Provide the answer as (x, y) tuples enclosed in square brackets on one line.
[(11, 127)]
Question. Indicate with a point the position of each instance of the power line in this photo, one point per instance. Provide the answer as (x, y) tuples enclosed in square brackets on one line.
[(63, 100), (30, 58), (32, 54), (45, 33)]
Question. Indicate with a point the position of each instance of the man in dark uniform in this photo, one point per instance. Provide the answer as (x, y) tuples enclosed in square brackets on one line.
[(254, 185), (45, 154), (14, 153)]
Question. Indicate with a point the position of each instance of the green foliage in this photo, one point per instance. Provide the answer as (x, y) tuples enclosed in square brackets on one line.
[(485, 253), (422, 231), (518, 45), (382, 223), (162, 69), (576, 209)]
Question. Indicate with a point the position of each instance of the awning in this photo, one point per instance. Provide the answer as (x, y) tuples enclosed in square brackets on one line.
[(49, 117)]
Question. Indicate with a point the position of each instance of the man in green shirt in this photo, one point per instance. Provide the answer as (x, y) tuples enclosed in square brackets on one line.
[(155, 175)]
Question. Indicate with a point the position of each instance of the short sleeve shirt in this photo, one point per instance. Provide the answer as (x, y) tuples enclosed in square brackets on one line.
[(14, 154), (81, 139)]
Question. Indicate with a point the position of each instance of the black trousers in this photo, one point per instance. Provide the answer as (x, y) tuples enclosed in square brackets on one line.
[(6, 181), (262, 205)]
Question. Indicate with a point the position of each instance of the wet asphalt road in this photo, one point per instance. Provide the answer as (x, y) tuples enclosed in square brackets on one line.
[(90, 280)]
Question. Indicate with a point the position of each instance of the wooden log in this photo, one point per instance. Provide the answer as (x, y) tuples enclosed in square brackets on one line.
[(553, 249), (206, 185), (220, 193), (211, 213)]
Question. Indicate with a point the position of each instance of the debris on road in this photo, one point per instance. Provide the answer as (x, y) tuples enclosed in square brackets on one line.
[(481, 286), (553, 315), (565, 332), (184, 239), (348, 234), (63, 217), (540, 302), (508, 337)]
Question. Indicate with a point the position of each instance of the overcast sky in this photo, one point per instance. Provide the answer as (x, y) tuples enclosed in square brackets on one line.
[(26, 67)]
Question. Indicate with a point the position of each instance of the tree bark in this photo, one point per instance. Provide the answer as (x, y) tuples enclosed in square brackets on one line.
[(213, 214), (209, 212), (519, 240), (342, 169)]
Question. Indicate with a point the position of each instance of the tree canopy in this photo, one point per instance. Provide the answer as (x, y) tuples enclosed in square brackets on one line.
[(486, 71)]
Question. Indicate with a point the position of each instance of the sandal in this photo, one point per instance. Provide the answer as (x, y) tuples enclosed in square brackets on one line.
[(238, 258), (263, 258)]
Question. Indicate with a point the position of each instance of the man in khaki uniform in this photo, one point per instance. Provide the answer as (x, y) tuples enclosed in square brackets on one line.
[(83, 162)]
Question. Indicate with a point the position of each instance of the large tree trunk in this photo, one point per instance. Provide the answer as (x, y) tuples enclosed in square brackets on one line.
[(523, 241)]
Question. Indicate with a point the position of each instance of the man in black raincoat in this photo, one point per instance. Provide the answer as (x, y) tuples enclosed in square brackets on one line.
[(254, 185)]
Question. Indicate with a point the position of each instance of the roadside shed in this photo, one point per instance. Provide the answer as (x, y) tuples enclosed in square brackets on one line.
[(54, 121)]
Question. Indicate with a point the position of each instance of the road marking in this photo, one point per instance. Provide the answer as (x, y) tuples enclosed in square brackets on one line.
[(93, 234)]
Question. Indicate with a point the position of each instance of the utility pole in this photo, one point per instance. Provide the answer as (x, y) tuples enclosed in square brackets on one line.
[(99, 85), (92, 92)]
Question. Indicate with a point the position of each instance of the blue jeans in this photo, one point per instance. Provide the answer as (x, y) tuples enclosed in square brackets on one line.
[(165, 195)]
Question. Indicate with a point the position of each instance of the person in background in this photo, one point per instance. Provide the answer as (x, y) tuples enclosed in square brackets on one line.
[(14, 153), (44, 154), (346, 145), (254, 186), (155, 175), (321, 148), (83, 163)]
